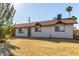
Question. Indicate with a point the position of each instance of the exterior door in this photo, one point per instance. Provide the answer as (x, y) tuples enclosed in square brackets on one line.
[(29, 32)]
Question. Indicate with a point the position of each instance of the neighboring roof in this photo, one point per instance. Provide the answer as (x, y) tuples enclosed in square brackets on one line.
[(47, 23)]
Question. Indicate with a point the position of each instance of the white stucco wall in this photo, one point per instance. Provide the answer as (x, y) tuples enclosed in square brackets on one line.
[(67, 34), (50, 32), (24, 34)]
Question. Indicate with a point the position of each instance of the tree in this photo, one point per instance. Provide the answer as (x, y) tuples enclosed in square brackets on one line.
[(73, 17), (7, 13), (69, 9)]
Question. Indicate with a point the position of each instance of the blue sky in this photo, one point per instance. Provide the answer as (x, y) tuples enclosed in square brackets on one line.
[(43, 11)]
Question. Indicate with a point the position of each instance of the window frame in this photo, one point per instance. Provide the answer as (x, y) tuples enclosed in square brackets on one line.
[(20, 30), (58, 29), (37, 29)]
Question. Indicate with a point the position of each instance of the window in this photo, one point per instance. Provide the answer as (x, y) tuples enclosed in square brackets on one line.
[(20, 30), (37, 29), (56, 28), (59, 28), (62, 28)]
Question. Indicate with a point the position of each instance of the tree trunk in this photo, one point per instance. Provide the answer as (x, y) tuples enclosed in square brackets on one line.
[(3, 50), (2, 53), (69, 15)]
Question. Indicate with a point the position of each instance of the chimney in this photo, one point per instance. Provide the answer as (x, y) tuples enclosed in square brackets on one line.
[(29, 19), (59, 16)]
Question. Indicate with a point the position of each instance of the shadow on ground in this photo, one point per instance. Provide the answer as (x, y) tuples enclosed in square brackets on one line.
[(8, 48), (56, 40)]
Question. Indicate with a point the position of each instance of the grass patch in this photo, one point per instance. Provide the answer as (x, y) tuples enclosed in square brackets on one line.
[(45, 47)]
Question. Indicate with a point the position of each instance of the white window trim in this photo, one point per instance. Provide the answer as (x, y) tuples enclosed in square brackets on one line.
[(61, 28)]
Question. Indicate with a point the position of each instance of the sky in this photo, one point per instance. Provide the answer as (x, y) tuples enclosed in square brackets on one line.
[(43, 11)]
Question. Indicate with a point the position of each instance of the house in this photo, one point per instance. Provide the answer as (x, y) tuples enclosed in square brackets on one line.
[(56, 28)]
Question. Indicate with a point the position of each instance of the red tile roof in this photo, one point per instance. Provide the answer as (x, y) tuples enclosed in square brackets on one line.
[(47, 23)]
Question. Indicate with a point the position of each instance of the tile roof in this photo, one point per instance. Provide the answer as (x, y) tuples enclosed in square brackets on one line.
[(47, 23)]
